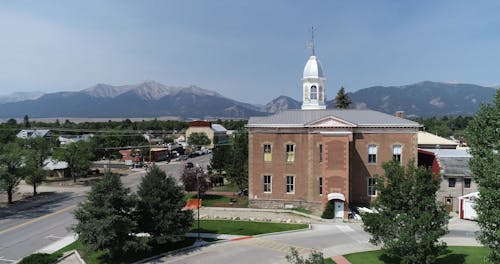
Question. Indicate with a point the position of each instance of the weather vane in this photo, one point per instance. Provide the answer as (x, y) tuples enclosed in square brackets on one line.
[(311, 42)]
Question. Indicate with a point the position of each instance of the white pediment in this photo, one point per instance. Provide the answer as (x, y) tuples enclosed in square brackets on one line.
[(330, 122)]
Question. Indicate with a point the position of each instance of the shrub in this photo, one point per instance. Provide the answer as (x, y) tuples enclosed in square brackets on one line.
[(40, 258), (328, 213)]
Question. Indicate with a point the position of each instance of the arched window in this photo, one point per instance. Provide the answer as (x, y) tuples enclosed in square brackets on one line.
[(314, 92)]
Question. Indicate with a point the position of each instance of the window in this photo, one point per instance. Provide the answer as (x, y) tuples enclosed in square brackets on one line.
[(320, 185), (452, 182), (372, 154), (371, 187), (267, 183), (467, 182), (290, 184), (290, 153), (268, 156), (396, 152), (320, 152), (314, 92)]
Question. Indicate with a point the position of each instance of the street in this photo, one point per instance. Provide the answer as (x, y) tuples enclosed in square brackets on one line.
[(26, 231)]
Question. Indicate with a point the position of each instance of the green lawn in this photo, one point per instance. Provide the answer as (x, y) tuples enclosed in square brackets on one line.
[(214, 200), (243, 227), (454, 255)]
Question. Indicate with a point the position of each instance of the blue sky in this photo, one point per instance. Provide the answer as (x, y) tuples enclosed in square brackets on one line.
[(252, 50)]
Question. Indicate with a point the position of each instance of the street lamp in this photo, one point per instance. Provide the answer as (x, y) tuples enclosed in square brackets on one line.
[(198, 198)]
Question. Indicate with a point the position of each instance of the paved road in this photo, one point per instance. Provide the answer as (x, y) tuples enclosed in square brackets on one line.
[(26, 231)]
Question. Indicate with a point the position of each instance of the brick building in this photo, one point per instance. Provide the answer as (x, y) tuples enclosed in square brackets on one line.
[(309, 157)]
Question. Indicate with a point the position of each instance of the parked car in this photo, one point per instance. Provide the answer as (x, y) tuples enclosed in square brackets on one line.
[(183, 157)]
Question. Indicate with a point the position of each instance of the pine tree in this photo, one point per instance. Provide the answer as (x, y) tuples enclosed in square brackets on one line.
[(105, 220), (409, 222), (483, 135), (342, 101), (159, 208)]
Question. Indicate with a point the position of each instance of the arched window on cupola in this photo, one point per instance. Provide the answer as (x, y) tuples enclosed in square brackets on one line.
[(314, 92)]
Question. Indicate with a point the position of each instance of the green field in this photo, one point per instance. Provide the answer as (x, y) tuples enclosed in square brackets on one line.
[(245, 228), (215, 200), (453, 255)]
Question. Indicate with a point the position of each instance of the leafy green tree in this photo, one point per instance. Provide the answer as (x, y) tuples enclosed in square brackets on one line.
[(11, 168), (34, 173), (105, 220), (328, 213), (39, 149), (237, 169), (314, 258), (78, 155), (342, 101), (11, 122), (483, 135), (198, 139), (192, 178), (409, 221), (159, 208), (220, 156)]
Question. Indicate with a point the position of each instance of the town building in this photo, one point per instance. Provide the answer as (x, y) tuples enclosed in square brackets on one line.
[(309, 157), (215, 132), (33, 133), (455, 176)]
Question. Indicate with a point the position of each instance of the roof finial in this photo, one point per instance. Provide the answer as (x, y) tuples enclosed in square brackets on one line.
[(311, 43)]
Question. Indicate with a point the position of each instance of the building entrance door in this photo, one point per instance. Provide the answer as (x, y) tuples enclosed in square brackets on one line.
[(339, 209), (448, 203)]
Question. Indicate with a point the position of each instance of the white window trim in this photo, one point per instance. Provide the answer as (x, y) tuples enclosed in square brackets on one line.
[(376, 154), (286, 184), (294, 152), (401, 154), (264, 152), (270, 183), (368, 187)]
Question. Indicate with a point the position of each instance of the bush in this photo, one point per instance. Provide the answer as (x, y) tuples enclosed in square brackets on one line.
[(40, 258), (328, 213)]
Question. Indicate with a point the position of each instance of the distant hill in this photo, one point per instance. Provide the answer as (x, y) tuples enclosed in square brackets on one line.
[(424, 99), (19, 96), (152, 99)]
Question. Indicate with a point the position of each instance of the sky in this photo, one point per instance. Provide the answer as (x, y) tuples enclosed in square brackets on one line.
[(252, 51)]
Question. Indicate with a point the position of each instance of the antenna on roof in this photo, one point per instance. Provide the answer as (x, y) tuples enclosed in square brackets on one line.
[(311, 42)]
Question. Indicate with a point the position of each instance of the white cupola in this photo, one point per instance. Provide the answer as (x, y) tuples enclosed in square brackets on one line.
[(313, 85)]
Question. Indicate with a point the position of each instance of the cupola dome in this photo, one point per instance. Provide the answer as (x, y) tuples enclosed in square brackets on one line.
[(313, 68)]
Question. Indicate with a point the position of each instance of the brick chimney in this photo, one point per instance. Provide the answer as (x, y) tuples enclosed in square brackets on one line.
[(400, 114)]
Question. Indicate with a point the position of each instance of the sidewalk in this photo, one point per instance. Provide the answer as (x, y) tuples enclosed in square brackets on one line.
[(59, 244)]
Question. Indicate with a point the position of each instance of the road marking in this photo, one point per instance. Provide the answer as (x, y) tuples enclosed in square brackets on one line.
[(275, 245), (53, 237), (37, 219)]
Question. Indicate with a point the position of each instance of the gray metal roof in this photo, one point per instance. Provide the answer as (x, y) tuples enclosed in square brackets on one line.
[(455, 166), (359, 118)]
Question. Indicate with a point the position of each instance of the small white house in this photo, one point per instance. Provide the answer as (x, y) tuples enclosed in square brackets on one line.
[(467, 203)]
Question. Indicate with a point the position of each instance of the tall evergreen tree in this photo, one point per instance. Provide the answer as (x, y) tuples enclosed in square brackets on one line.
[(483, 135), (105, 220), (26, 121), (159, 208), (220, 156), (237, 171), (409, 222), (342, 101)]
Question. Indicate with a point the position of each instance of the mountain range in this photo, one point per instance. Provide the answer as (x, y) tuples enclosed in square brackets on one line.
[(153, 99)]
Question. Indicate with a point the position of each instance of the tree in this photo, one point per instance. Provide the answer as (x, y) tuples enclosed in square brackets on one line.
[(237, 170), (78, 155), (39, 150), (314, 258), (408, 222), (198, 139), (11, 168), (26, 121), (159, 208), (34, 173), (192, 178), (220, 156), (105, 220), (483, 136), (342, 101)]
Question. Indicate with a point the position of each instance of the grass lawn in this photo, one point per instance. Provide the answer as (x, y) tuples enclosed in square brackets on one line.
[(454, 255), (245, 228), (214, 200), (101, 256)]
